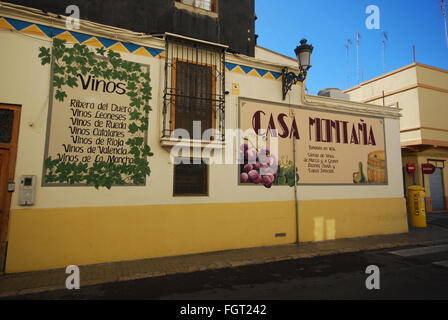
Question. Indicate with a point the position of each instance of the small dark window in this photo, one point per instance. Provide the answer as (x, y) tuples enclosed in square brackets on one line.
[(190, 179), (6, 122), (209, 5)]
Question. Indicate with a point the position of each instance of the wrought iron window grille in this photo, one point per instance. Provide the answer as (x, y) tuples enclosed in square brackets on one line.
[(194, 88)]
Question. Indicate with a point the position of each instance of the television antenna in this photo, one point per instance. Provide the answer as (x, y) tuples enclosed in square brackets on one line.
[(442, 6), (358, 36), (385, 38), (347, 46)]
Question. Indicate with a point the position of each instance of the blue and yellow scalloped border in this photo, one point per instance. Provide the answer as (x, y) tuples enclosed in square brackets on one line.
[(77, 37), (251, 71)]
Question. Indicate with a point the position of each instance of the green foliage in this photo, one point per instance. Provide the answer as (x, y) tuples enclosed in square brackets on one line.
[(60, 95), (44, 55), (68, 63), (286, 174)]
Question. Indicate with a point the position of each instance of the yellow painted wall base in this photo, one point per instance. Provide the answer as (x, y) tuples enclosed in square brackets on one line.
[(41, 239), (337, 219)]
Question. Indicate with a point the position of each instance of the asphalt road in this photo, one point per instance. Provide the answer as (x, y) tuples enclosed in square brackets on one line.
[(341, 276)]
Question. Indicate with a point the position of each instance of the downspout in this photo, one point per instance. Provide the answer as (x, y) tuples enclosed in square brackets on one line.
[(295, 191), (296, 200)]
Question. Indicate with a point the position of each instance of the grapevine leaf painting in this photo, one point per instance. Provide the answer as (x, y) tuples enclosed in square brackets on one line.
[(69, 62)]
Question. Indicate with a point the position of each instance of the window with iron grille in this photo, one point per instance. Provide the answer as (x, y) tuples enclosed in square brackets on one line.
[(190, 179), (209, 5), (194, 88), (6, 123)]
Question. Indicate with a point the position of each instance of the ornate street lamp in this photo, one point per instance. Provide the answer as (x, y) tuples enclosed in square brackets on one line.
[(303, 53)]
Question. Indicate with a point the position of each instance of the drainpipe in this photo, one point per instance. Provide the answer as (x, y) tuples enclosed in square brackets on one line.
[(295, 191)]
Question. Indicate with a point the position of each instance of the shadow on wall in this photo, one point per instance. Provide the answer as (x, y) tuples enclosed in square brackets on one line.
[(324, 229)]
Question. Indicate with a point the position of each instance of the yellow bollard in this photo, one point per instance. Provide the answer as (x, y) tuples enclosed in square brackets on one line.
[(416, 205)]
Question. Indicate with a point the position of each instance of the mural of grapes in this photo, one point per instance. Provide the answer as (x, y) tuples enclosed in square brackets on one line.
[(263, 167)]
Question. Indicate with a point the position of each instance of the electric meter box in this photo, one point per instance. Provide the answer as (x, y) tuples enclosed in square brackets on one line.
[(27, 190)]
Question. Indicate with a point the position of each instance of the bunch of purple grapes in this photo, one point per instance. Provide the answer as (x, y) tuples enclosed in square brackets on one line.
[(258, 167)]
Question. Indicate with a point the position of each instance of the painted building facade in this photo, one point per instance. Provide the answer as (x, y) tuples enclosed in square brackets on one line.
[(347, 164), (421, 92)]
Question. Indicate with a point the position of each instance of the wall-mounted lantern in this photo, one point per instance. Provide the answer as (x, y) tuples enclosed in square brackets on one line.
[(303, 53)]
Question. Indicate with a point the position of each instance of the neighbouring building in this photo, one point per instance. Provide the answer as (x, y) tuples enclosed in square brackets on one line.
[(118, 145), (229, 22), (421, 93)]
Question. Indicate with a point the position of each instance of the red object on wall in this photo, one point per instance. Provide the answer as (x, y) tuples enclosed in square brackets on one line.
[(428, 168), (410, 167)]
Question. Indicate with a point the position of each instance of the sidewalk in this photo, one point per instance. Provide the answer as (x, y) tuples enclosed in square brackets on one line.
[(34, 282)]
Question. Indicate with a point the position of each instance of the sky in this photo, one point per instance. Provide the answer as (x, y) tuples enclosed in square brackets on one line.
[(327, 24)]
